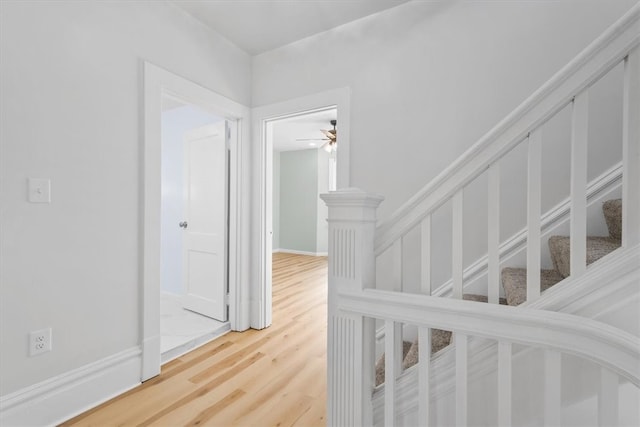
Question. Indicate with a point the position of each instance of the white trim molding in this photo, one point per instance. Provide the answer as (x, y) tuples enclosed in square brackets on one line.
[(262, 117), (62, 397), (157, 82)]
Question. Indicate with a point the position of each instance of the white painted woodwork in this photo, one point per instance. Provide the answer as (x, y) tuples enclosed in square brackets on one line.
[(391, 373), (425, 255), (457, 266), (599, 57), (578, 218), (631, 150), (534, 195), (552, 388), (424, 376), (462, 378), (504, 384), (368, 369), (605, 345), (397, 286), (397, 265), (156, 82), (493, 234), (607, 183), (259, 240), (608, 398), (205, 211), (352, 217)]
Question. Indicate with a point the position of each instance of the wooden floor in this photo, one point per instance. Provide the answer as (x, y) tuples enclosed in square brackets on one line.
[(272, 377)]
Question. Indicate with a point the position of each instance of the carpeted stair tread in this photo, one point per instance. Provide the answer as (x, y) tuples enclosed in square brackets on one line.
[(597, 247), (439, 338), (612, 210), (514, 282), (406, 345)]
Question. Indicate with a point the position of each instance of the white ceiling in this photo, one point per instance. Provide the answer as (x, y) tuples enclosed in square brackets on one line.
[(257, 26), (286, 132)]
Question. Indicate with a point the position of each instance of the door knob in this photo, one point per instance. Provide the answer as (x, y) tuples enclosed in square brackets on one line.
[(183, 224)]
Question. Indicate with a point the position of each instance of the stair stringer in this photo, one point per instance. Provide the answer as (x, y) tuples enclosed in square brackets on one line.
[(583, 296)]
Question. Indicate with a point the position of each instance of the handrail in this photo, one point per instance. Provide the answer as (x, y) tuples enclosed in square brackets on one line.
[(593, 62), (603, 344)]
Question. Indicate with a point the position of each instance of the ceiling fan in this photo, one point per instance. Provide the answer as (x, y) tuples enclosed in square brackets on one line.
[(331, 138)]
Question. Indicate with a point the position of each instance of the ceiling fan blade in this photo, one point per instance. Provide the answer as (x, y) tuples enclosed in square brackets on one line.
[(329, 134)]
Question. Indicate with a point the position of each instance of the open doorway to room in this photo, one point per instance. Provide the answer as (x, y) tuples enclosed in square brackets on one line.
[(194, 227), (304, 165)]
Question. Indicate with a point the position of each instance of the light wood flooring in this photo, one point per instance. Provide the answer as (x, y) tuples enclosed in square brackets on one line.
[(272, 377)]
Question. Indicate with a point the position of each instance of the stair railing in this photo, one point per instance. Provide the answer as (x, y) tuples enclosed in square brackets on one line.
[(355, 242)]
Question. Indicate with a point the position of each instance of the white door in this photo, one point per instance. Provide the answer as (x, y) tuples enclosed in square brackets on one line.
[(205, 222)]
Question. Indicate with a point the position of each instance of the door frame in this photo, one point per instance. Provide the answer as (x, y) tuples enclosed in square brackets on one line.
[(156, 82), (261, 300)]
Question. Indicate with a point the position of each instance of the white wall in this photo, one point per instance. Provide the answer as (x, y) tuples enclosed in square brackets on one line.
[(322, 240), (427, 80), (175, 123), (71, 84)]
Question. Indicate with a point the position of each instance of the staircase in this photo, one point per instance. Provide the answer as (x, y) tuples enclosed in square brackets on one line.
[(509, 355), (514, 280)]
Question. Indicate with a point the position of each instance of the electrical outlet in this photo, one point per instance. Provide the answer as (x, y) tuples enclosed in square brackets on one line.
[(39, 341)]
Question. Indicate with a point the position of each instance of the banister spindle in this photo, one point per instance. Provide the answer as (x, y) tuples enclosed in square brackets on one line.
[(504, 384), (424, 376), (462, 382), (552, 390), (425, 255), (608, 398), (390, 374), (493, 237), (534, 167), (578, 218), (456, 250), (631, 151), (397, 287)]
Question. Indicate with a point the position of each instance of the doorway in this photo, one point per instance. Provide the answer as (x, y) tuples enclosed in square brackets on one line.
[(194, 230), (158, 82), (263, 120), (304, 164)]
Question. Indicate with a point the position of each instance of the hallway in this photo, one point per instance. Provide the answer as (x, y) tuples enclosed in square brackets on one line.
[(276, 376)]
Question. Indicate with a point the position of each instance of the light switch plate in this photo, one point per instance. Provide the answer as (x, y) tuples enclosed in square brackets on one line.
[(39, 190)]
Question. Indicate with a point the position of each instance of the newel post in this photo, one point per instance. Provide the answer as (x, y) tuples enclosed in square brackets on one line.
[(350, 338)]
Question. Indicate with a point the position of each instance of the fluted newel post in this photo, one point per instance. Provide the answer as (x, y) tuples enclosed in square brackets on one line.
[(350, 345)]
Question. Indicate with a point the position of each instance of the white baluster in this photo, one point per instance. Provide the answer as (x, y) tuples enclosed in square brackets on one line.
[(391, 373), (504, 384), (493, 237), (424, 376), (397, 287), (608, 398), (457, 266), (397, 265), (461, 379), (552, 390), (533, 214), (631, 151), (425, 264), (352, 218), (578, 218), (424, 334)]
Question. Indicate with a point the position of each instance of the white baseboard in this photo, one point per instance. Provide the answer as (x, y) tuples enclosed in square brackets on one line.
[(63, 397), (296, 252)]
